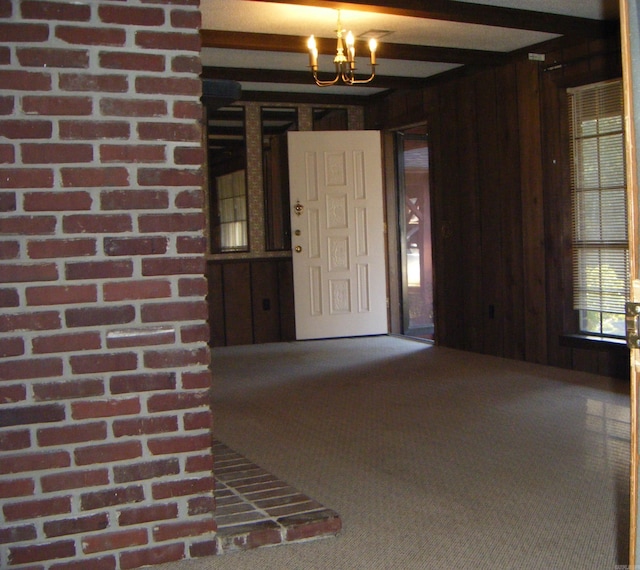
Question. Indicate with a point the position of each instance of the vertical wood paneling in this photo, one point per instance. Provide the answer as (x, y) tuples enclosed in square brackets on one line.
[(534, 303), (236, 280), (265, 302), (215, 300)]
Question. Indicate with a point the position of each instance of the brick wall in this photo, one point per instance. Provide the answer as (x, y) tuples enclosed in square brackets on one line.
[(105, 427)]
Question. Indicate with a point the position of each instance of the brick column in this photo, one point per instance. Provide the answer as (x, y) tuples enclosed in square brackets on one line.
[(105, 426)]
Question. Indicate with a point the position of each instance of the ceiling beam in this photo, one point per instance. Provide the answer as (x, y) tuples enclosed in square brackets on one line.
[(297, 44), (300, 77), (469, 13)]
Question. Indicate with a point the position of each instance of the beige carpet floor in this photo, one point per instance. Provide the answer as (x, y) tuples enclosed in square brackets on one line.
[(434, 458)]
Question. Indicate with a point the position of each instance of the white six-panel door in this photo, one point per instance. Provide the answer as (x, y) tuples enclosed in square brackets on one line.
[(337, 226)]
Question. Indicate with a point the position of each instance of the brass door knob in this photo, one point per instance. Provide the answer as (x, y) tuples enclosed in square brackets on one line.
[(298, 248)]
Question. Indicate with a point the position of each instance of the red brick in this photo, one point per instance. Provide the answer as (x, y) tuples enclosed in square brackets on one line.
[(57, 248), (74, 433), (16, 488), (53, 153), (210, 547), (18, 129), (134, 200), (76, 525), (186, 19), (20, 80), (330, 525), (39, 552), (68, 390), (199, 463), (14, 440), (201, 505), (135, 246), (46, 320), (12, 346), (42, 10), (133, 107), (100, 315), (27, 225), (179, 444), (22, 32), (34, 461), (52, 105), (26, 415), (179, 311), (25, 273), (35, 509), (147, 425), (6, 104), (108, 453), (188, 110), (177, 357), (9, 298), (172, 41), (99, 269), (91, 223), (139, 16), (91, 36), (71, 342), (91, 130), (170, 531), (157, 555), (95, 177), (114, 540), (142, 382), (111, 497), (105, 408), (177, 401), (30, 368), (116, 362), (198, 420), (57, 201), (189, 155), (12, 393), (8, 202), (190, 199), (140, 337), (163, 131), (141, 515), (192, 287), (182, 488), (174, 266), (168, 85), (11, 535), (133, 153), (61, 295), (52, 57), (7, 154), (74, 480), (169, 177), (194, 380), (132, 60), (94, 83), (148, 470), (26, 178)]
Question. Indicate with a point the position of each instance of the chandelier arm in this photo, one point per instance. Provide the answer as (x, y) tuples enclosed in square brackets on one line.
[(320, 83)]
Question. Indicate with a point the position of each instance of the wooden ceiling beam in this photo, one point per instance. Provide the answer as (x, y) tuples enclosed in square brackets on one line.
[(469, 13), (327, 46), (301, 77)]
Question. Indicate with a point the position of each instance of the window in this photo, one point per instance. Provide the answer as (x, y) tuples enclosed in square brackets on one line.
[(232, 211), (599, 203)]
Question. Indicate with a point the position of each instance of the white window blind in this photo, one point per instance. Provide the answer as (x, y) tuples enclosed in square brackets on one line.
[(600, 240), (232, 209)]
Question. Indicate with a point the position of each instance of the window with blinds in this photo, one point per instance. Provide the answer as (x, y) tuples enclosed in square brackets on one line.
[(600, 241)]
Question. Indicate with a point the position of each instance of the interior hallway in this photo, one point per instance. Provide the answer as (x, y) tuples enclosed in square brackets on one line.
[(433, 458)]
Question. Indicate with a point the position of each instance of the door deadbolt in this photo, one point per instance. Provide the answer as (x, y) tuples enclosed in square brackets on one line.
[(297, 232)]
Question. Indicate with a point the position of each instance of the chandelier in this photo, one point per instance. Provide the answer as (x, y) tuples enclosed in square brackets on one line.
[(345, 63)]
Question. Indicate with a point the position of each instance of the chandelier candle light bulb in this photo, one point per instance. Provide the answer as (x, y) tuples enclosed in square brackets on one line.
[(345, 64)]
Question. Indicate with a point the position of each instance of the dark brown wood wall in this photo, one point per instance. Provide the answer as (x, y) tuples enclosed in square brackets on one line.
[(501, 204)]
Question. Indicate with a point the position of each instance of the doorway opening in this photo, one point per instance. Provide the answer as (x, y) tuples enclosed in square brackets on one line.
[(415, 233)]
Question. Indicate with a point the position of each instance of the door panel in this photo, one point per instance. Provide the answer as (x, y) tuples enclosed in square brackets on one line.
[(338, 234)]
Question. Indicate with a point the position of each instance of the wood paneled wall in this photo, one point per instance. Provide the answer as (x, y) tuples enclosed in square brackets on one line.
[(251, 301), (501, 204)]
